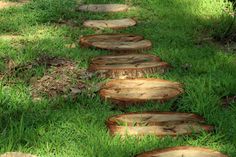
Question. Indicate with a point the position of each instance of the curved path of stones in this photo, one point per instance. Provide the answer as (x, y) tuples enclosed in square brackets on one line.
[(126, 67)]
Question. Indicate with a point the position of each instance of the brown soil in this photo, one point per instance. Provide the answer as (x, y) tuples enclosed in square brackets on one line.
[(227, 100), (69, 23), (62, 78)]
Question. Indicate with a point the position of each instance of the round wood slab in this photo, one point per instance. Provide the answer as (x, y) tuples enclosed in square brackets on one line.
[(127, 66), (156, 123), (183, 152), (134, 91), (104, 8), (16, 154), (116, 42), (113, 24)]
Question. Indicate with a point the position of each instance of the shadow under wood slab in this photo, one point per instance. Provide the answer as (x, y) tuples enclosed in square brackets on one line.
[(185, 151), (156, 123), (113, 24), (124, 92), (16, 154), (127, 66), (116, 42), (104, 8)]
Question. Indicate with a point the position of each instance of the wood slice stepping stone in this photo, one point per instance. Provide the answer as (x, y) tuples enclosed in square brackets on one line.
[(156, 123), (124, 92), (16, 154), (185, 151), (113, 24), (116, 42), (104, 8), (127, 66)]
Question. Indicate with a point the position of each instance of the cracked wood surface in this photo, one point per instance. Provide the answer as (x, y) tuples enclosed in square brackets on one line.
[(127, 66), (169, 129), (184, 151), (156, 123), (154, 118), (124, 92), (116, 42), (113, 24), (104, 8)]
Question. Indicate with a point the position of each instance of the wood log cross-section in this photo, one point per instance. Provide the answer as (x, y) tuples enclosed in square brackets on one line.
[(127, 66), (124, 92), (16, 154), (156, 123), (183, 151), (104, 8), (112, 24), (125, 43)]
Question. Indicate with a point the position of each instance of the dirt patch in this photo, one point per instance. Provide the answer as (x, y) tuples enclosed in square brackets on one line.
[(70, 23), (226, 44), (12, 4), (59, 80), (226, 101), (12, 69), (61, 77)]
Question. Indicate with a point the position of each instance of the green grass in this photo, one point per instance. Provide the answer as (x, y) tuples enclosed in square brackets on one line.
[(66, 127)]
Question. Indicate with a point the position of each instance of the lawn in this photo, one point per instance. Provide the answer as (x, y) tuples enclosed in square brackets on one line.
[(63, 125)]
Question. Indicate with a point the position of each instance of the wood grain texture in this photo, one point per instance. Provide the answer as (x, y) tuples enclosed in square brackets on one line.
[(104, 8), (125, 43), (127, 66), (136, 91), (154, 118), (112, 24), (156, 123), (184, 151)]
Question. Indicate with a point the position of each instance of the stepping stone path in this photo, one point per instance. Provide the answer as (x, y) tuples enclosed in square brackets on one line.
[(127, 66), (183, 152), (124, 92), (113, 24), (116, 42), (156, 123), (104, 8), (16, 154)]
